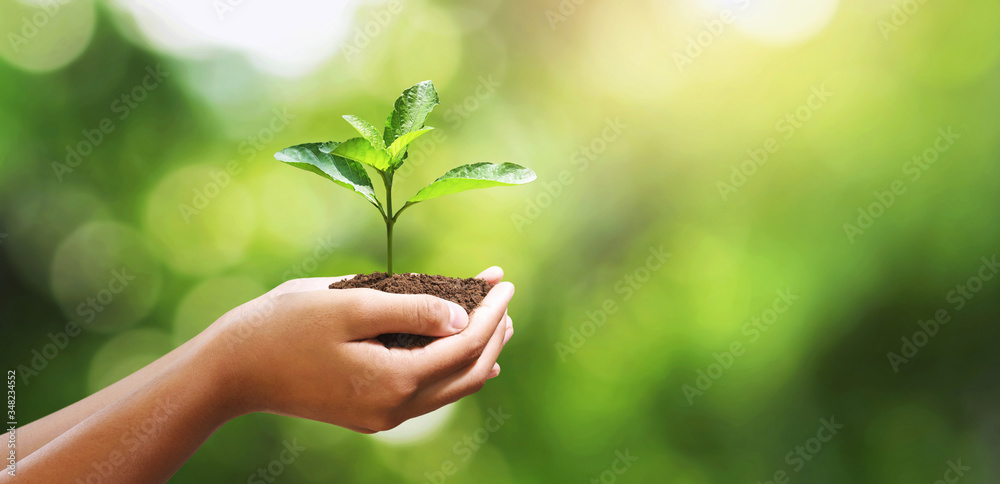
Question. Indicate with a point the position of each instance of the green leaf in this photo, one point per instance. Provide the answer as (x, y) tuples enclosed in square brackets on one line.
[(359, 149), (471, 177), (410, 110), (369, 132), (344, 172), (398, 147)]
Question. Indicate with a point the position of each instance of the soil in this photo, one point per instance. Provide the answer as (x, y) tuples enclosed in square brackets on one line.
[(467, 293)]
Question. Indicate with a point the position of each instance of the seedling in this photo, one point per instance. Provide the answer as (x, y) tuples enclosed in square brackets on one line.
[(343, 162)]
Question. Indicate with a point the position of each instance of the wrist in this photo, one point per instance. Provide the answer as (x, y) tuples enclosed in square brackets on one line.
[(212, 361)]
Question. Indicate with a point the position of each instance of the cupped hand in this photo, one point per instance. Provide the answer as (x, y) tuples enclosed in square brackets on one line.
[(307, 351)]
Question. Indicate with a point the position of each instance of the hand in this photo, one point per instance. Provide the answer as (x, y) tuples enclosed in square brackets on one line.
[(307, 351)]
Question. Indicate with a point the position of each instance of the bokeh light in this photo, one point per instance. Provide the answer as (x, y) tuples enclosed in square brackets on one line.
[(104, 277), (201, 218), (125, 354), (209, 300), (43, 36), (742, 138)]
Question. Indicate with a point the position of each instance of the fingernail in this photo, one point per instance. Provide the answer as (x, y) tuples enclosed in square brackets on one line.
[(459, 318), (495, 372), (507, 288), (506, 337)]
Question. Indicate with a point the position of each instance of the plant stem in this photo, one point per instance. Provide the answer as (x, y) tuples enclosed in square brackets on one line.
[(389, 220), (388, 252)]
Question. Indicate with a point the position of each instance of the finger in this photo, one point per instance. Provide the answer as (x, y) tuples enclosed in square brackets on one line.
[(509, 332), (495, 372), (445, 356), (464, 382), (308, 284), (368, 313), (492, 275)]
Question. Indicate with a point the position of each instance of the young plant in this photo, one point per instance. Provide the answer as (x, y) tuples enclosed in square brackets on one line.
[(342, 162)]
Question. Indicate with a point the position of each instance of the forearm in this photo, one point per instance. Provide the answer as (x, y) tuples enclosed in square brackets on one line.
[(145, 435), (35, 435)]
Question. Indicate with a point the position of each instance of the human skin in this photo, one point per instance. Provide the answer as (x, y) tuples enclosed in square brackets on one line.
[(299, 350)]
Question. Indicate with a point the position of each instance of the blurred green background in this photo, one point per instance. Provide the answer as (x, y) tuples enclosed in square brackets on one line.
[(739, 137)]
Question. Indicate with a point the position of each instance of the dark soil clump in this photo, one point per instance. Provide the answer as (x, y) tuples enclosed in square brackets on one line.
[(467, 293)]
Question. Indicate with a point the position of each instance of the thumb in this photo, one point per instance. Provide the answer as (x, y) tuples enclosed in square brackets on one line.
[(375, 312)]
